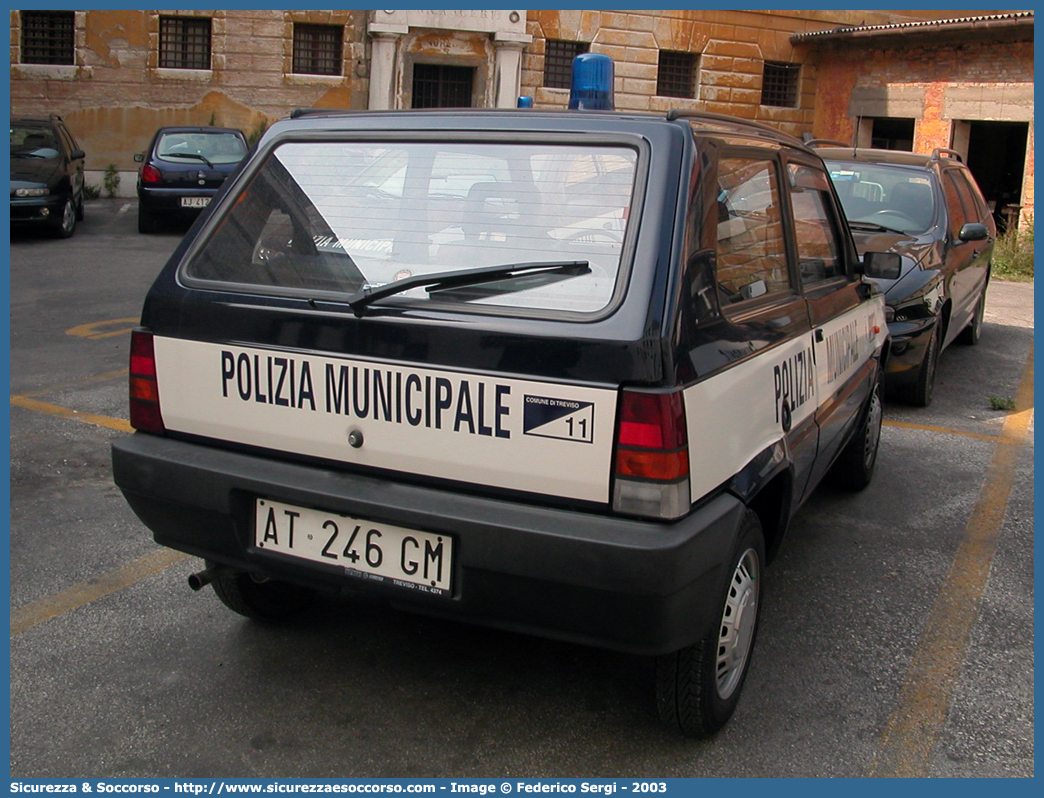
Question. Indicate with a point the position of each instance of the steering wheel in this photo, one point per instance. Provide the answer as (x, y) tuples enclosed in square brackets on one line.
[(897, 214)]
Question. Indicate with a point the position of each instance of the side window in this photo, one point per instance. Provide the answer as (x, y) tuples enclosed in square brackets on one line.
[(815, 225), (751, 250), (974, 209), (958, 214)]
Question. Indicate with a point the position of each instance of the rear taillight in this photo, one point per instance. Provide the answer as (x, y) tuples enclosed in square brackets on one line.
[(652, 456), (144, 390), (150, 174)]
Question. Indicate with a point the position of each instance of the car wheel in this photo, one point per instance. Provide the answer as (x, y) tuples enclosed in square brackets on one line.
[(146, 221), (698, 687), (920, 393), (970, 335), (65, 224), (854, 468), (263, 600)]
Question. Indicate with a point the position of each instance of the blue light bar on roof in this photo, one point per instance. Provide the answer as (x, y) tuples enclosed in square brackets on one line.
[(592, 84)]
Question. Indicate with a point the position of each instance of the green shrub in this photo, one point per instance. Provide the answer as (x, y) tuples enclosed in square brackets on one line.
[(111, 179), (91, 192), (1013, 253)]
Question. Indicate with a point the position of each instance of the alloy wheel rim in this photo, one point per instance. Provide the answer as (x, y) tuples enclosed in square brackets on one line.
[(68, 216), (873, 429), (736, 632)]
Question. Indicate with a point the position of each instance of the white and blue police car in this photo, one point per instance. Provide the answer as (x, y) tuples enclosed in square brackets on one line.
[(566, 373)]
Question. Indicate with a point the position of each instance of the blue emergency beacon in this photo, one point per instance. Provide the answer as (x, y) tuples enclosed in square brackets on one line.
[(592, 84)]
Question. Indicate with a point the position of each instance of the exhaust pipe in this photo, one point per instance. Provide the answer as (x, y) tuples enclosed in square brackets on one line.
[(200, 580)]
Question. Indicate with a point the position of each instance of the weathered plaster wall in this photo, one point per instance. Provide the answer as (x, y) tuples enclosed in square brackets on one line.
[(117, 95)]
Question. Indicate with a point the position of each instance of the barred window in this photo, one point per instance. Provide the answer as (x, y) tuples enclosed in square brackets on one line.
[(47, 37), (441, 86), (779, 85), (558, 62), (676, 76), (184, 42), (317, 49)]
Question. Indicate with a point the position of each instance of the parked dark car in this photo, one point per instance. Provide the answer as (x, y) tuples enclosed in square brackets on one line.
[(929, 209), (183, 169), (46, 175)]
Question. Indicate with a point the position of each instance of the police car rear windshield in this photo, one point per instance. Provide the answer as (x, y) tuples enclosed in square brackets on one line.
[(331, 219)]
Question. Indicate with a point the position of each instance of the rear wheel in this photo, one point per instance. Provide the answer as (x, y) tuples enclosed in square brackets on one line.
[(698, 687), (263, 600), (854, 467)]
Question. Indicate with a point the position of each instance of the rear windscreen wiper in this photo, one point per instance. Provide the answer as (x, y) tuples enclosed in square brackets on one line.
[(550, 271), (194, 155)]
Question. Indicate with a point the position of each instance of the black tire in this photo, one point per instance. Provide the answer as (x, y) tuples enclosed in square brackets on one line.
[(147, 222), (854, 467), (971, 334), (697, 688), (65, 223), (268, 600), (920, 393)]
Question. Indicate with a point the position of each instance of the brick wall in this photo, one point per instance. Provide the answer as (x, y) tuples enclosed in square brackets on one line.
[(940, 85)]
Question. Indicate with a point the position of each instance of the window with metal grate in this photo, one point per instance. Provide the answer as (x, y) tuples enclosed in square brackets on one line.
[(442, 86), (318, 49), (676, 75), (184, 42), (779, 86), (558, 62), (47, 37)]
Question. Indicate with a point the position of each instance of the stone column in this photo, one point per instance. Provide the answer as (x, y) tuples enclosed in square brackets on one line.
[(507, 70), (384, 43)]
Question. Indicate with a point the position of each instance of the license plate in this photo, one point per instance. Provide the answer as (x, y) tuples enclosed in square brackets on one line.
[(194, 202), (379, 552)]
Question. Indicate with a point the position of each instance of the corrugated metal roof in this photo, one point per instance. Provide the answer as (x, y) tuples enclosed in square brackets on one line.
[(900, 27)]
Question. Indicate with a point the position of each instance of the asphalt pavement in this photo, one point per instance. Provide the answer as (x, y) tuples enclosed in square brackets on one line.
[(896, 639)]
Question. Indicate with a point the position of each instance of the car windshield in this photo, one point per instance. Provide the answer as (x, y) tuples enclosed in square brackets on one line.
[(33, 141), (341, 217), (195, 146), (894, 198)]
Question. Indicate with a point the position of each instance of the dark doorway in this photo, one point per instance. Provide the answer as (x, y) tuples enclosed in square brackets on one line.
[(441, 86), (997, 158), (891, 133)]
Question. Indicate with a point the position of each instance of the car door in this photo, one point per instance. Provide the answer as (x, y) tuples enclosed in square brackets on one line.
[(837, 307), (765, 316), (966, 260)]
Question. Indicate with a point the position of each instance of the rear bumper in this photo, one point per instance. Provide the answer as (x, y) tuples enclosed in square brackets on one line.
[(618, 583), (168, 200)]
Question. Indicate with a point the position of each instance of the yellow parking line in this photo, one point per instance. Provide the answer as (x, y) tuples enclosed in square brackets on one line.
[(913, 729), (34, 614), (36, 405), (946, 431)]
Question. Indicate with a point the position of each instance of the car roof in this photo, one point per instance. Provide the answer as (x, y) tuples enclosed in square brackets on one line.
[(890, 157), (198, 129), (29, 120), (514, 119)]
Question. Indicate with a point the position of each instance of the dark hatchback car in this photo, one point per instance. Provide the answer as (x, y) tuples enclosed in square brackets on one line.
[(46, 175), (183, 169), (929, 209)]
